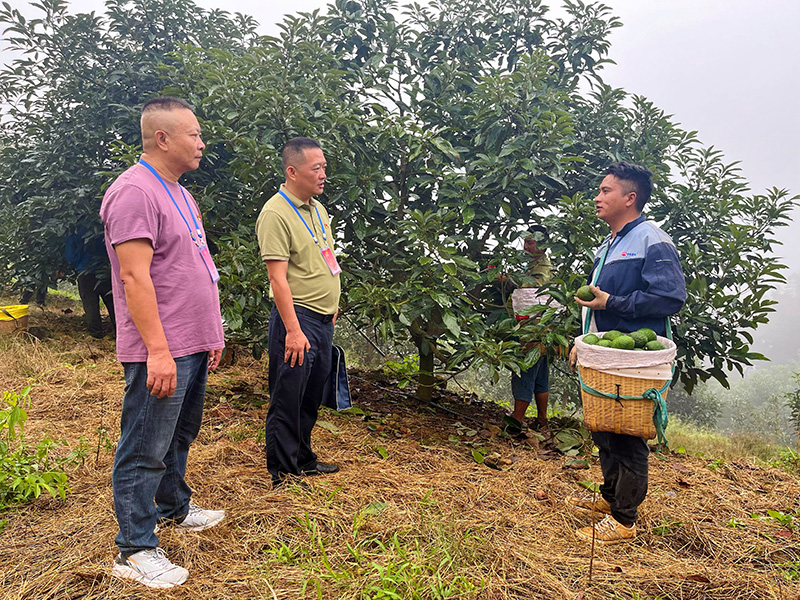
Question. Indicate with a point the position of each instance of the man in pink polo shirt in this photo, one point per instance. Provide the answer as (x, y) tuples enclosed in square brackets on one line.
[(169, 334)]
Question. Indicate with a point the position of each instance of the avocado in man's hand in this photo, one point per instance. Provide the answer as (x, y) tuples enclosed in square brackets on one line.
[(585, 294)]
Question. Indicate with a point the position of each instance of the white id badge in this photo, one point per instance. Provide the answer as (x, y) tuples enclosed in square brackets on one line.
[(209, 262), (330, 259)]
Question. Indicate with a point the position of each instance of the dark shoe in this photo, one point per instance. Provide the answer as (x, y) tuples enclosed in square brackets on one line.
[(321, 469)]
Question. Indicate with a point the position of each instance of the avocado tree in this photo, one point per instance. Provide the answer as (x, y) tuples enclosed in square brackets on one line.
[(434, 169), (68, 98), (449, 129)]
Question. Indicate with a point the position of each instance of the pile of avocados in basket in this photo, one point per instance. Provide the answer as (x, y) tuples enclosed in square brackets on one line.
[(641, 339)]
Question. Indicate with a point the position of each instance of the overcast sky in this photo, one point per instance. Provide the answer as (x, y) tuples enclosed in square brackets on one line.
[(725, 68)]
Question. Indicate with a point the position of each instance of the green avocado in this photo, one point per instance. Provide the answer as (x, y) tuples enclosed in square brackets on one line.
[(623, 342), (584, 293), (651, 335), (640, 338)]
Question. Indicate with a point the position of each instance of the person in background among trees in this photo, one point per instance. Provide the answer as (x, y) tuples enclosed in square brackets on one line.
[(640, 284), (39, 292), (534, 382), (88, 264), (296, 242), (169, 334)]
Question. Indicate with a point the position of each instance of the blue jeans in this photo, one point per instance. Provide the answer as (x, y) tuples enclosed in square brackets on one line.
[(150, 462)]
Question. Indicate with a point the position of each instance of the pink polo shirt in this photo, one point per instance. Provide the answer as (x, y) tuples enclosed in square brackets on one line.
[(136, 206)]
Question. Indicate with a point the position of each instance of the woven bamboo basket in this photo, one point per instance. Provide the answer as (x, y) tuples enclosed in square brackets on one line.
[(630, 417), (13, 319)]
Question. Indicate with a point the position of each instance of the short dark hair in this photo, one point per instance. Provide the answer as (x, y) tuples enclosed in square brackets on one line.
[(640, 180), (295, 148), (538, 229), (166, 103)]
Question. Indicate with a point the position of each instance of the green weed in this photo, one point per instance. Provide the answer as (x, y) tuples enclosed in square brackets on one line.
[(788, 461), (429, 563), (717, 463), (26, 472), (666, 527), (784, 519), (406, 370), (790, 571), (735, 524)]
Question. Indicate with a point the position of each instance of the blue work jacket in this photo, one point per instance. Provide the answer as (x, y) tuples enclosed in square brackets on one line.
[(642, 273)]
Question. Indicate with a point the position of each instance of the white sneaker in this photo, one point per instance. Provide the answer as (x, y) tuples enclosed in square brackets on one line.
[(199, 519), (149, 567)]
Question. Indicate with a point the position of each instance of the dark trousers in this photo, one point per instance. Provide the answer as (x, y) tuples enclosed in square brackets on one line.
[(40, 293), (295, 394), (624, 462), (91, 290)]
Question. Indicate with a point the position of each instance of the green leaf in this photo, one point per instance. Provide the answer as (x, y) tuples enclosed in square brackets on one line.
[(467, 215), (329, 426), (451, 323), (374, 508)]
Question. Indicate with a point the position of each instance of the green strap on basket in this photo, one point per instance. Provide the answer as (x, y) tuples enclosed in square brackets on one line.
[(660, 416), (600, 263)]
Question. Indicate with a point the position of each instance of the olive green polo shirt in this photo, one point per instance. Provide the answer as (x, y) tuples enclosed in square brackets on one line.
[(282, 236)]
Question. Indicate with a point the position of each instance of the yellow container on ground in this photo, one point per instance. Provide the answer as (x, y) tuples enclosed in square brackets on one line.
[(13, 319)]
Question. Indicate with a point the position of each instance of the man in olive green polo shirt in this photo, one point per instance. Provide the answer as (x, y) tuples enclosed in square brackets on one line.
[(296, 243)]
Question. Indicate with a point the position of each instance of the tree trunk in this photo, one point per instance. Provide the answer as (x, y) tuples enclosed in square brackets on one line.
[(426, 379)]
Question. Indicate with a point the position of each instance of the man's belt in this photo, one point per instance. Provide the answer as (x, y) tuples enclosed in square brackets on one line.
[(302, 310)]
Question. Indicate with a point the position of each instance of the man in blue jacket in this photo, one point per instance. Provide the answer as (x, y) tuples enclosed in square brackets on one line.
[(640, 284)]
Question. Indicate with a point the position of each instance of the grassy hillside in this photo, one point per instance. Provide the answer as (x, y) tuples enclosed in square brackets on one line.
[(411, 515)]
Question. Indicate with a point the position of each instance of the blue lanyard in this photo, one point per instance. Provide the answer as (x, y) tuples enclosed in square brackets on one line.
[(197, 240), (324, 237)]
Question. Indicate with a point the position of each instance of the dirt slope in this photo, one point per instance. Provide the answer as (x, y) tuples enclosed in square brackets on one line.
[(410, 515)]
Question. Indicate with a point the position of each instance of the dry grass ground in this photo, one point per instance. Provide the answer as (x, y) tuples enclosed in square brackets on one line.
[(410, 515)]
